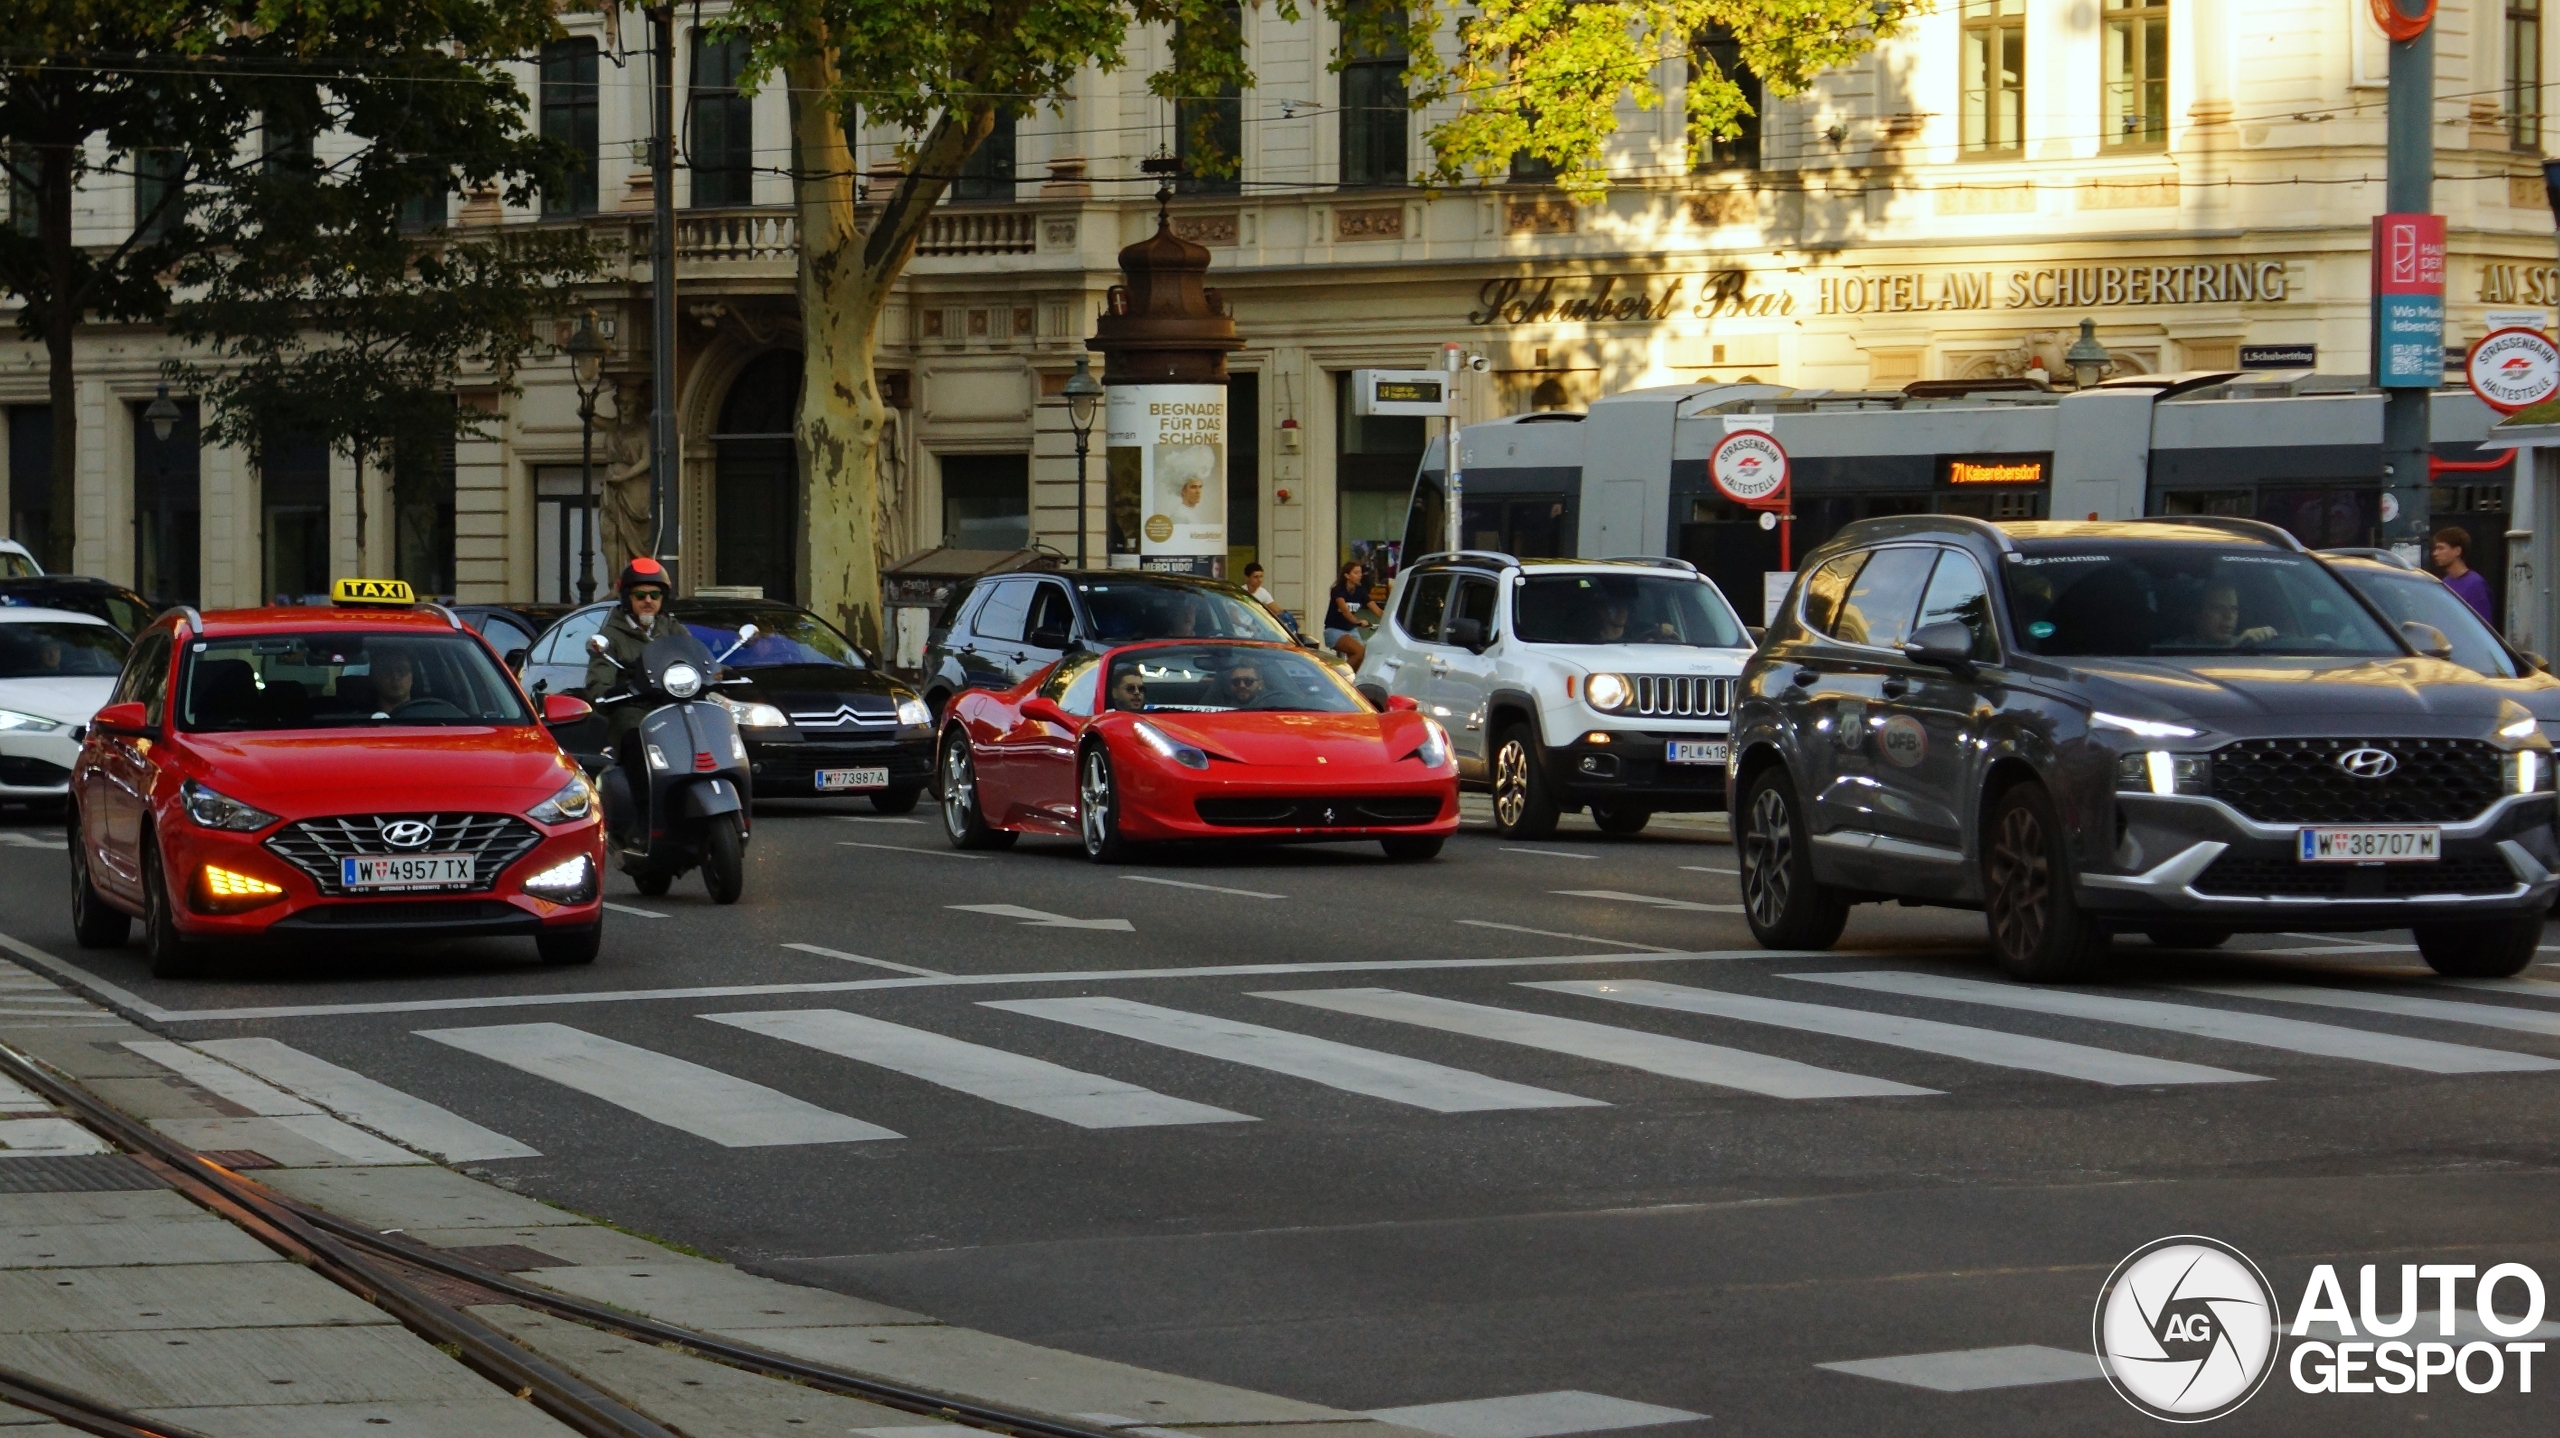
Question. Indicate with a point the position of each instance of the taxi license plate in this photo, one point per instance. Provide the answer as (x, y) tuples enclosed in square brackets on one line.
[(831, 780), (408, 871), (1695, 751), (2372, 846)]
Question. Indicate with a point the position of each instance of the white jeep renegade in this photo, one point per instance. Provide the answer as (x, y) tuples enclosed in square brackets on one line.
[(1568, 682)]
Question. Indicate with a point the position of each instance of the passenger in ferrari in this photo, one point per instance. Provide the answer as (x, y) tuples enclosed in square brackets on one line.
[(1129, 691)]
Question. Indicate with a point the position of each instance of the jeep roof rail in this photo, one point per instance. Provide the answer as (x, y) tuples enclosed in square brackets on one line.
[(2274, 534), (1447, 556), (1655, 561)]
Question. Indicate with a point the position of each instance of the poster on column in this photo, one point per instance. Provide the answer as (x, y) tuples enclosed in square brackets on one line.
[(1167, 461)]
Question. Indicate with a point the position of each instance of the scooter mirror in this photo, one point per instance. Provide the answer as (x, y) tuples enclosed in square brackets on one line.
[(747, 633), (595, 644)]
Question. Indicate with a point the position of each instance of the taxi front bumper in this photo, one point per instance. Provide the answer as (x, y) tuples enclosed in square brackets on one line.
[(501, 907)]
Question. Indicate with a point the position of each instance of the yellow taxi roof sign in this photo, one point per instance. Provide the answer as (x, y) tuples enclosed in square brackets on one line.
[(371, 591)]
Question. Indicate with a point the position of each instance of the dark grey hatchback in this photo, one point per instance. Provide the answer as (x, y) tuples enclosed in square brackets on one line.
[(2184, 728)]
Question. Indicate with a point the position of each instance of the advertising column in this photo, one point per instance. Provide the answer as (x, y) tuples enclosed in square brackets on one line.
[(1164, 338)]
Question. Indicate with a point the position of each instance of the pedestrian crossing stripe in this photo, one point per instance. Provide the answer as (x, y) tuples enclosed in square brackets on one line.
[(680, 1094)]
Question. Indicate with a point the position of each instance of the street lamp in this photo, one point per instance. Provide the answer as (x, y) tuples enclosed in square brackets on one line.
[(2086, 357), (164, 415), (586, 368), (1084, 396)]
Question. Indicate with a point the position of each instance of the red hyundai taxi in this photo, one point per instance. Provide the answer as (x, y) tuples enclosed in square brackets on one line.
[(1194, 739), (358, 771)]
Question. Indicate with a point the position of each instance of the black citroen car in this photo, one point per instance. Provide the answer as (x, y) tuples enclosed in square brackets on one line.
[(819, 720), (2185, 728)]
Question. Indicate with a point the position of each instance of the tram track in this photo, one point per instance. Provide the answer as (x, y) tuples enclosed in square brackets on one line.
[(367, 1263)]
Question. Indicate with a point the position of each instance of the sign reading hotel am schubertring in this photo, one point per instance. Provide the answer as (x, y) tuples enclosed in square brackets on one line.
[(2511, 369), (1750, 467), (2408, 300), (1167, 460)]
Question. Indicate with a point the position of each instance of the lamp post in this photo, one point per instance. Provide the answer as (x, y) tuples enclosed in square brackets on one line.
[(586, 368), (164, 414), (2087, 358), (1084, 397)]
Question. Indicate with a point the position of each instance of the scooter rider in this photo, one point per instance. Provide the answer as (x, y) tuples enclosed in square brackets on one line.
[(639, 618)]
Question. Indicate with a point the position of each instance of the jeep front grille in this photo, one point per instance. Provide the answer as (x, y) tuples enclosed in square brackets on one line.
[(316, 845), (2298, 781), (1680, 696)]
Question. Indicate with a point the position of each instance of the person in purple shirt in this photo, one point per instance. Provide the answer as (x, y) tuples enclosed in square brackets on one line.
[(2449, 553)]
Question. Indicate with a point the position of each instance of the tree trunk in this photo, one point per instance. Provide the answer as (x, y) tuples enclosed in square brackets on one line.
[(846, 279), (61, 328)]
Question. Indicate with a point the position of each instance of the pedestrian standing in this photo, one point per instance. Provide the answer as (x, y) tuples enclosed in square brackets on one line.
[(2451, 553), (1342, 613)]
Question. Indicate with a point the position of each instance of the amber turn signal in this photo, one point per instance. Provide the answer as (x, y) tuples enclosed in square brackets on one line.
[(224, 891)]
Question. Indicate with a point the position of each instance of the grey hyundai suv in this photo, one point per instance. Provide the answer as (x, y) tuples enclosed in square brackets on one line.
[(2181, 727)]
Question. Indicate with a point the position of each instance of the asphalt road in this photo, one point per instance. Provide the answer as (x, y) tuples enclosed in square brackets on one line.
[(1423, 1179)]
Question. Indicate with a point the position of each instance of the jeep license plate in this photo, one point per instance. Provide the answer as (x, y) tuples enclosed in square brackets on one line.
[(1695, 751), (407, 871), (2372, 846), (832, 781)]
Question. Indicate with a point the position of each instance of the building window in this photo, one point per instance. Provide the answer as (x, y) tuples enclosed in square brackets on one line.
[(24, 171), (31, 476), (1376, 115), (284, 144), (2137, 49), (293, 487), (569, 119), (2524, 74), (986, 501), (1719, 51), (721, 143), (168, 505), (1209, 129), (423, 491), (987, 175), (1994, 76), (159, 192)]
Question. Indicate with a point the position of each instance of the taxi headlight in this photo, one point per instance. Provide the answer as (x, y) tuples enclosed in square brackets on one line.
[(572, 881), (575, 801), (220, 811), (912, 711), (1607, 692), (681, 681), (754, 716), (12, 720)]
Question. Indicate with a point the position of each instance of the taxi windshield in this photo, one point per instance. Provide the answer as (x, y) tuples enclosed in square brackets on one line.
[(56, 650), (344, 680), (2175, 600), (1221, 678)]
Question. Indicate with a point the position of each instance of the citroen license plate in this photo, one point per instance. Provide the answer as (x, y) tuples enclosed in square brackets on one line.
[(1695, 751), (2372, 845), (832, 781), (406, 871)]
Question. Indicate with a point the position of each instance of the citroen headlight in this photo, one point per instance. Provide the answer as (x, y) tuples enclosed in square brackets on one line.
[(13, 721), (2157, 771), (911, 711), (1188, 756), (2529, 771), (220, 811), (575, 801), (1607, 692), (681, 681), (754, 716), (1434, 752)]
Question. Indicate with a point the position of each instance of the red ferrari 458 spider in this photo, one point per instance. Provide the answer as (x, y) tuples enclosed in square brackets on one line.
[(1193, 739)]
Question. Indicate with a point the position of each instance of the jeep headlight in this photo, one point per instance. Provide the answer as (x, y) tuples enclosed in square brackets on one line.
[(220, 811), (2157, 771), (575, 801), (1608, 693)]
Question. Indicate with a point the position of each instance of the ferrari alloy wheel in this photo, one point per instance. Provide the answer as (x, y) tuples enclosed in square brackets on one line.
[(172, 954), (963, 822), (2038, 930), (1780, 900), (1098, 808), (1523, 805), (95, 924)]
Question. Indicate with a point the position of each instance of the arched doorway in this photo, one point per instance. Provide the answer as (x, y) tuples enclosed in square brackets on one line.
[(756, 508)]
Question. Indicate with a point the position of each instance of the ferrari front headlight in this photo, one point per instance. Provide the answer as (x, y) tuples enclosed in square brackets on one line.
[(1187, 755)]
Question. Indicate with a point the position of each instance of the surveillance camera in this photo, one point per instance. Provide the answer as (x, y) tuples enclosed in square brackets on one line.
[(1476, 363)]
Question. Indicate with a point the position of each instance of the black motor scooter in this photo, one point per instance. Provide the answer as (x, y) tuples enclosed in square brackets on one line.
[(676, 795)]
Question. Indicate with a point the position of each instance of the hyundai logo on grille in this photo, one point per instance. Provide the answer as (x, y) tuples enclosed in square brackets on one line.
[(408, 833), (2369, 763)]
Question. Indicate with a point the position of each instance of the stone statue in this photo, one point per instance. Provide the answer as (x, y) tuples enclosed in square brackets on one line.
[(624, 504)]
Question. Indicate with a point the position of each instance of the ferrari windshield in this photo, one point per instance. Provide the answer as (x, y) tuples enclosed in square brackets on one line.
[(345, 680), (1126, 609), (2169, 599), (53, 649), (1222, 678), (1624, 609)]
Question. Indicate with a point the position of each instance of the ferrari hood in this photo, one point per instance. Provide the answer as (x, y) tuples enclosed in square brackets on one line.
[(300, 772)]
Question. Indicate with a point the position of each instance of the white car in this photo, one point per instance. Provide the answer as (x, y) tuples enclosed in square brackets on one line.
[(16, 562), (56, 670), (1568, 682)]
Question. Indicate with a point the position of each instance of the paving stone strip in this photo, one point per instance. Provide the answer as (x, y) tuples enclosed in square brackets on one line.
[(128, 1292)]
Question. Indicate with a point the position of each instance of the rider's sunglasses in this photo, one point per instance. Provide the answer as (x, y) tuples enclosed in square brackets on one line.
[(654, 596)]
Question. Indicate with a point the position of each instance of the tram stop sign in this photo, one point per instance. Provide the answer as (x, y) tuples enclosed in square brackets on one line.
[(1749, 466), (2511, 369)]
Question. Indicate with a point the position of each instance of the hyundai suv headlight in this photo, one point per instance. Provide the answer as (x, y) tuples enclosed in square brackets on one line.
[(215, 810), (2157, 771), (912, 711), (1608, 693), (754, 716), (2529, 771), (575, 801)]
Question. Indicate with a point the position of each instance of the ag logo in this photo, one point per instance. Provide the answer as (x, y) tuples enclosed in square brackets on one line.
[(408, 833), (1903, 741), (2185, 1329), (1159, 527)]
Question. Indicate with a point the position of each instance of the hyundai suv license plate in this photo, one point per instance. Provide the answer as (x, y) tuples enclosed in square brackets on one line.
[(408, 871), (830, 780), (1695, 751), (2371, 846)]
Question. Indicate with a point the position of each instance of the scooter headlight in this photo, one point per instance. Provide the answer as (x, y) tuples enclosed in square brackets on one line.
[(575, 801), (682, 681)]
